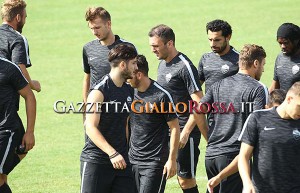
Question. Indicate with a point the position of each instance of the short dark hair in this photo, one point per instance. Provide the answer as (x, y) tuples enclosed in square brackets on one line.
[(121, 52), (250, 53), (94, 12), (219, 25), (277, 96), (289, 31), (164, 32), (142, 64)]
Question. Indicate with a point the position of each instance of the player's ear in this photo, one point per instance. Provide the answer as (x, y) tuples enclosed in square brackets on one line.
[(256, 63), (228, 38), (19, 17)]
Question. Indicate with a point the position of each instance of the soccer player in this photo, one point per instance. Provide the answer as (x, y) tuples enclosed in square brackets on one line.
[(287, 68), (13, 84), (276, 97), (239, 89), (152, 161), (223, 60), (95, 52), (14, 46), (273, 137), (178, 75), (104, 159)]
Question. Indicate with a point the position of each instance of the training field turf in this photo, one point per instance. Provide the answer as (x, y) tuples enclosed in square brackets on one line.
[(57, 30)]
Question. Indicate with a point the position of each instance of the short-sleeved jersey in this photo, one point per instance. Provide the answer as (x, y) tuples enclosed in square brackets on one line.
[(113, 120), (180, 78), (276, 153), (237, 90), (213, 67), (14, 46), (95, 59), (287, 70), (11, 81), (149, 129)]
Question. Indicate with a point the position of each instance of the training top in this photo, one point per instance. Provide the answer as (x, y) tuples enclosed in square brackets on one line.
[(149, 129), (276, 153), (11, 81), (113, 120), (213, 67), (95, 59), (287, 70), (181, 79), (14, 46), (236, 90)]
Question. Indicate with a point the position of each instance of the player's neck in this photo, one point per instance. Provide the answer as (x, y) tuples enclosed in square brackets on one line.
[(281, 110), (109, 40), (11, 24), (144, 84), (116, 77), (172, 53)]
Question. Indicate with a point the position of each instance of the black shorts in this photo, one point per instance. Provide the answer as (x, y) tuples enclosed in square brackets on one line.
[(9, 140), (231, 184), (187, 159), (149, 180), (101, 178)]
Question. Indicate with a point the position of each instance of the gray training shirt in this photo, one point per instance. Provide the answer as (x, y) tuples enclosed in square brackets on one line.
[(287, 70), (276, 153), (213, 67), (237, 89)]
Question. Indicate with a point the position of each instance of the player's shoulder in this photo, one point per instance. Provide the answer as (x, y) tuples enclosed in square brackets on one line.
[(8, 66), (233, 51), (91, 43), (102, 83)]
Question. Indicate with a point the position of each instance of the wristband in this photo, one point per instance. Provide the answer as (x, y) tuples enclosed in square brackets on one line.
[(114, 155)]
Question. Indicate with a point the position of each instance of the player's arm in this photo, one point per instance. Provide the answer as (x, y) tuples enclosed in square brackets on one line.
[(34, 84), (274, 85), (171, 166), (244, 167), (92, 121), (85, 90), (28, 139), (228, 171)]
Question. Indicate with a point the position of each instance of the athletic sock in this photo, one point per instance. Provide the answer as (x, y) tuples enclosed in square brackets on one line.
[(191, 190), (5, 188)]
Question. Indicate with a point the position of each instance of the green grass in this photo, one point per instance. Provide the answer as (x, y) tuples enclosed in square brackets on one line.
[(56, 31)]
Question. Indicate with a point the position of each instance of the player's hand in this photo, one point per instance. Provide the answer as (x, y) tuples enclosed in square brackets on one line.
[(170, 169), (28, 140), (184, 137), (249, 188), (118, 162), (35, 85), (213, 182)]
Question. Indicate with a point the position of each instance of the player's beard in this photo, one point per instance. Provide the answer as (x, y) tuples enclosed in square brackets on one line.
[(20, 26), (222, 48), (126, 74)]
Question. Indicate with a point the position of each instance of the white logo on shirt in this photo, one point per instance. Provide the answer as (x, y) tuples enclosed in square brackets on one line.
[(295, 69), (269, 128), (279, 67), (224, 68), (92, 58), (168, 77), (296, 134)]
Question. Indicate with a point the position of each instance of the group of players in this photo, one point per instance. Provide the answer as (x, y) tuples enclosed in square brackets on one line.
[(138, 152), (164, 144)]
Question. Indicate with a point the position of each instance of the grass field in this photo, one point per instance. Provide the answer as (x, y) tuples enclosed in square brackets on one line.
[(56, 31)]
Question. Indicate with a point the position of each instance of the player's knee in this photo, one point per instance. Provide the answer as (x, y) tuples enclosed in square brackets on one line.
[(186, 183), (3, 179)]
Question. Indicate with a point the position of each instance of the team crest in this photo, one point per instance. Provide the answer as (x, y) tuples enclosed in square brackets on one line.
[(129, 100), (224, 68), (296, 134), (295, 69), (168, 77)]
